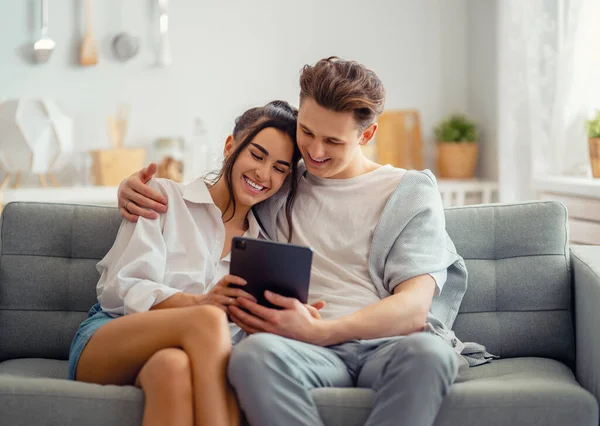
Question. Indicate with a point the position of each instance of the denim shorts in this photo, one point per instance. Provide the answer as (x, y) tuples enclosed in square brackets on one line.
[(96, 319)]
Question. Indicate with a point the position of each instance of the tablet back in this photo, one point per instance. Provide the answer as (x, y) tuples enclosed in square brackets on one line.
[(267, 265)]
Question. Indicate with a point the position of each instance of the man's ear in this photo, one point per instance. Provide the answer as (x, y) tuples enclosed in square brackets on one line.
[(368, 134), (229, 145)]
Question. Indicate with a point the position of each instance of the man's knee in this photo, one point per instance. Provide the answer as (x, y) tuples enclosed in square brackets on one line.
[(428, 352), (252, 356)]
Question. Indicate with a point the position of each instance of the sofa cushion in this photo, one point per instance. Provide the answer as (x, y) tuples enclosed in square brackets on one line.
[(516, 392), (48, 274), (518, 302)]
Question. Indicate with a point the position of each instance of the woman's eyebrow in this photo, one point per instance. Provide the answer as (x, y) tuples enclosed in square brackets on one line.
[(264, 151)]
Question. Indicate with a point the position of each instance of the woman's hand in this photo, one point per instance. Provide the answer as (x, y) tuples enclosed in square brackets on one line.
[(136, 198), (223, 296)]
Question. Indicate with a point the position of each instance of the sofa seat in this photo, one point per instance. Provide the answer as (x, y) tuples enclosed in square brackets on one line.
[(515, 392)]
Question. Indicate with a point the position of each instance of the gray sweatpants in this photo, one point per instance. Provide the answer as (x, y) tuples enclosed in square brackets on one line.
[(410, 375)]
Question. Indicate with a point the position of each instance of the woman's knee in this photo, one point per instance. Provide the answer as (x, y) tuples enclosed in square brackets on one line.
[(209, 324), (168, 370)]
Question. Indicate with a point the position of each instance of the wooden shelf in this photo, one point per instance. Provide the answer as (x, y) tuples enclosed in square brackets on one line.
[(97, 195)]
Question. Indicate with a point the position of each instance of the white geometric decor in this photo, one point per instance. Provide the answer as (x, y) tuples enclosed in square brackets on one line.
[(35, 136)]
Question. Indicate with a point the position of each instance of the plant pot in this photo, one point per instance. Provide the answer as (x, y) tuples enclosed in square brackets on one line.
[(457, 160), (595, 156)]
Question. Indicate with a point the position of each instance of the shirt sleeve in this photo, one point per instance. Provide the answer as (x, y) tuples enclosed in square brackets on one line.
[(133, 270), (420, 247)]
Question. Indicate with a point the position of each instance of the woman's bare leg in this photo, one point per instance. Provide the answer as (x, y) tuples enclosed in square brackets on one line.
[(117, 352), (166, 380)]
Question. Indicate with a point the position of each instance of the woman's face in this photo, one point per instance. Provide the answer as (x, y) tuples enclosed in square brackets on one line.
[(262, 166)]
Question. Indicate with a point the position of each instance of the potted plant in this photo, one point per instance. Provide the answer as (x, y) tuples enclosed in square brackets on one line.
[(593, 131), (457, 147)]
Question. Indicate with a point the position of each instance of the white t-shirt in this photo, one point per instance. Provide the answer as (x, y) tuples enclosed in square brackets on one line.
[(340, 236)]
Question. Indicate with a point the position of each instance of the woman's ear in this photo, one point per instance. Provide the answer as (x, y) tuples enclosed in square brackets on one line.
[(229, 145)]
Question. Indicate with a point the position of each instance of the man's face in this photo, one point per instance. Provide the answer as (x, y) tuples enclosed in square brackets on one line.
[(329, 141)]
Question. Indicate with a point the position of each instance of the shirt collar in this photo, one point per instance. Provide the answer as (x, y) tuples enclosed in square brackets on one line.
[(253, 227), (197, 192)]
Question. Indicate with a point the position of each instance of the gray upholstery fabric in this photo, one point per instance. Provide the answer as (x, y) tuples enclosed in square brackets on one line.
[(586, 273), (518, 304), (48, 275), (519, 391), (518, 301)]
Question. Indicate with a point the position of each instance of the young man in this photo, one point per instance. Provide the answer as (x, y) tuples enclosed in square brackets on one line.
[(383, 263)]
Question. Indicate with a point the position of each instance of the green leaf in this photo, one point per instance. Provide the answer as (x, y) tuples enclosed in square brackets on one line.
[(456, 128)]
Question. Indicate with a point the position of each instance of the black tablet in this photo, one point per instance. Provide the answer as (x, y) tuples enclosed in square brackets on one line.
[(266, 265)]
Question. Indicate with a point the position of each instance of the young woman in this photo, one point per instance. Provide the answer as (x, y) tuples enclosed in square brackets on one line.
[(160, 322)]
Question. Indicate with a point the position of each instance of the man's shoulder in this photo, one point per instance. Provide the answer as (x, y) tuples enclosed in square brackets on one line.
[(418, 181)]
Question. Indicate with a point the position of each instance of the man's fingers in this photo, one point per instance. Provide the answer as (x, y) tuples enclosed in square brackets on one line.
[(318, 305), (148, 172), (141, 188), (247, 319), (134, 209), (279, 300), (313, 312), (243, 326), (142, 201), (267, 314), (128, 216)]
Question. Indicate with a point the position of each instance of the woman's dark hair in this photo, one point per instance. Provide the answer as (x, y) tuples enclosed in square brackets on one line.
[(278, 115)]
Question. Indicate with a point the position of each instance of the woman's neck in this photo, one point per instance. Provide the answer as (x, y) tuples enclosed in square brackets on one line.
[(220, 195)]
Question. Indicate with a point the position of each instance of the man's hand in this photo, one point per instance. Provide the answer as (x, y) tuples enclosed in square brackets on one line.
[(136, 199), (295, 321)]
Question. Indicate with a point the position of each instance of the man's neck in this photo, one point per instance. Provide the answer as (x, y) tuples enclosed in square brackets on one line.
[(358, 167)]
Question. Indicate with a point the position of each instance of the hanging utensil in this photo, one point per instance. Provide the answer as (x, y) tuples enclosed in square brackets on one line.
[(44, 47), (125, 45), (164, 56), (89, 53)]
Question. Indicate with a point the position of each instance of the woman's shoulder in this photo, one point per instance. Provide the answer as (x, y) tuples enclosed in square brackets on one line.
[(166, 187)]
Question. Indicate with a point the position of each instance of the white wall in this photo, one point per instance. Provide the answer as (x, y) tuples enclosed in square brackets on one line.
[(482, 80), (229, 55)]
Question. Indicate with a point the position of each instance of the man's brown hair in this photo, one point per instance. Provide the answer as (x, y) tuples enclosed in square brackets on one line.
[(344, 86)]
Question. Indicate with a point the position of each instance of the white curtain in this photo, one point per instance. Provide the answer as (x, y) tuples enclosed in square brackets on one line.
[(548, 84)]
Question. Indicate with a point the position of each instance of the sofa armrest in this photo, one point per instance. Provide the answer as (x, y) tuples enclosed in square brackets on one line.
[(585, 264)]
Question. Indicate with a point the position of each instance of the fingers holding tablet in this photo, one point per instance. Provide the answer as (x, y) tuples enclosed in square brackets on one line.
[(223, 295)]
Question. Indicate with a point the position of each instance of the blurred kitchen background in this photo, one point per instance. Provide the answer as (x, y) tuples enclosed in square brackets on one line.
[(515, 76)]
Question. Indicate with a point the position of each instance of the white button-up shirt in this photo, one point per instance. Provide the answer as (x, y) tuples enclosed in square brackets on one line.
[(152, 260)]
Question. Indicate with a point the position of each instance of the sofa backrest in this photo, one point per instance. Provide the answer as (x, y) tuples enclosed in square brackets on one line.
[(48, 274), (518, 301)]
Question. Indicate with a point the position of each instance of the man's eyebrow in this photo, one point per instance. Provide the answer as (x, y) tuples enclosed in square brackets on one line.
[(264, 151), (331, 138)]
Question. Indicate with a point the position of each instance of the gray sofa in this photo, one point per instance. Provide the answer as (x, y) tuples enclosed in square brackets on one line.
[(531, 299)]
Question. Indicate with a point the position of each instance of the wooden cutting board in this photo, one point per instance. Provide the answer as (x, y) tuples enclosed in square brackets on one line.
[(398, 139)]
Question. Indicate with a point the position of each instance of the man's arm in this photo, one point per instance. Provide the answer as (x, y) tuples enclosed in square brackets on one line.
[(402, 313), (135, 198)]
